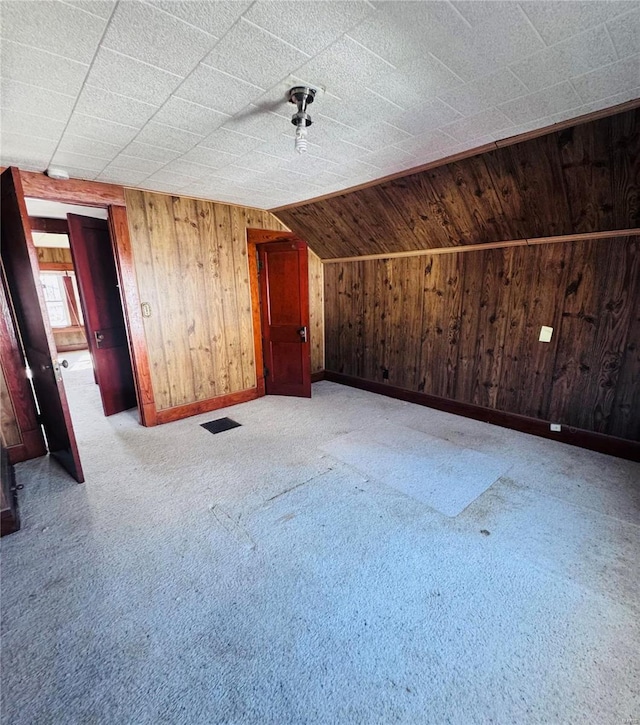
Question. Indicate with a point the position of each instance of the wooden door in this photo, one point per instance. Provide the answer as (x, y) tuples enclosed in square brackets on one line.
[(97, 278), (20, 261), (284, 302)]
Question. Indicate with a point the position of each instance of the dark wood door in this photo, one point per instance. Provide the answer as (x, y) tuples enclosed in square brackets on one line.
[(284, 304), (95, 269), (20, 261)]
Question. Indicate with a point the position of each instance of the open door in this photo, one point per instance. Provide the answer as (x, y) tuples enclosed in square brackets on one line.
[(284, 301), (20, 262), (97, 278)]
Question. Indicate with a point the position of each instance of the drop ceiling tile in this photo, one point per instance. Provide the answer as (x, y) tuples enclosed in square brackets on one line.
[(506, 37), (133, 163), (175, 139), (143, 32), (343, 66), (356, 110), (220, 91), (426, 144), (189, 116), (213, 17), (150, 152), (167, 176), (126, 177), (101, 103), (101, 8), (485, 92), (630, 94), (310, 26), (230, 142), (88, 147), (392, 156), (541, 104), (415, 81), (328, 177), (401, 31), (426, 117), (235, 174), (376, 136), (258, 161), (42, 69), (616, 78), (30, 99), (265, 59), (625, 33), (129, 77), (255, 122), (52, 26), (25, 151), (68, 159), (185, 167), (557, 20), (30, 124), (489, 122), (101, 129), (213, 158), (476, 12), (575, 56)]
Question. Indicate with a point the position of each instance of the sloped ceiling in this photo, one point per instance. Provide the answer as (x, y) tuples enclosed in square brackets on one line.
[(189, 96), (581, 179)]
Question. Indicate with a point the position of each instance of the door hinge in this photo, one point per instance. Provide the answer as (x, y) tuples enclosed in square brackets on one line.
[(259, 265), (266, 371), (39, 419)]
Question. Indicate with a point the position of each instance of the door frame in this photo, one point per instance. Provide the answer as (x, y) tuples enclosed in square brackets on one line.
[(110, 197), (256, 237)]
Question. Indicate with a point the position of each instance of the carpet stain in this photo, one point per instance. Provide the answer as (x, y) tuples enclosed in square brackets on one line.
[(231, 526)]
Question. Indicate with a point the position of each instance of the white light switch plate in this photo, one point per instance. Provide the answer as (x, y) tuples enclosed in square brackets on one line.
[(545, 334)]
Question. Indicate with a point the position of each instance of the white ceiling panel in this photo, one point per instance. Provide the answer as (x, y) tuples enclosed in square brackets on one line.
[(556, 20), (291, 21), (189, 116), (213, 88), (129, 77), (146, 33), (41, 69), (43, 102), (101, 129), (52, 26), (190, 96), (625, 33), (68, 159), (213, 17), (113, 107), (265, 59), (566, 60)]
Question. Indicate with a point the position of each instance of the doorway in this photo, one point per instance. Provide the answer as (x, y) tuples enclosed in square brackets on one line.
[(278, 263)]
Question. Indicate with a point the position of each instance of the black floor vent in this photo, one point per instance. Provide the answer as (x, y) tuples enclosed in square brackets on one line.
[(220, 425)]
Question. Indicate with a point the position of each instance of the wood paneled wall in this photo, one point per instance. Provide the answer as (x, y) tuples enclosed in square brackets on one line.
[(316, 312), (465, 327), (55, 255), (580, 179), (191, 265), (9, 428)]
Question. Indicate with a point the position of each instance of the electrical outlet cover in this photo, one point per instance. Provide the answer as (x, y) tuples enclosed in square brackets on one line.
[(545, 334)]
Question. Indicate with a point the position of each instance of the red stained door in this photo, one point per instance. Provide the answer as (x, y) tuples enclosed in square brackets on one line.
[(284, 304), (95, 269), (20, 262)]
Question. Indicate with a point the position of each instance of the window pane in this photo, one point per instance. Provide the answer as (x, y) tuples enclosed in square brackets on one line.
[(54, 297)]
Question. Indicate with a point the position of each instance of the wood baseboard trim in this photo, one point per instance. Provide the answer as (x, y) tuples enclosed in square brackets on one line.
[(317, 377), (168, 415), (599, 442)]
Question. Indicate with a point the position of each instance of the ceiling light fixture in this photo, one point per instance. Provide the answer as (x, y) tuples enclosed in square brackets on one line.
[(301, 96)]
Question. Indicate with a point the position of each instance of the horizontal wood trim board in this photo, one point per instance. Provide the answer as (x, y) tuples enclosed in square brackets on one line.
[(587, 236), (50, 226), (168, 415), (573, 436), (512, 140), (71, 191), (317, 376)]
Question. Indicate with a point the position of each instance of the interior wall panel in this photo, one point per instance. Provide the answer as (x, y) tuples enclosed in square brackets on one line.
[(316, 312), (465, 327), (191, 266), (577, 180)]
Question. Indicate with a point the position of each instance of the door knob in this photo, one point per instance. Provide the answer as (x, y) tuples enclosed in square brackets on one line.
[(64, 363), (302, 331)]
